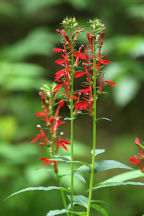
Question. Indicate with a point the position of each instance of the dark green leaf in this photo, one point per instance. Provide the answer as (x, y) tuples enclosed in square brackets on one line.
[(103, 118)]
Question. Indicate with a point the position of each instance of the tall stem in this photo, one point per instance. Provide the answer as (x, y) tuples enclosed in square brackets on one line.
[(94, 134), (62, 193), (72, 126)]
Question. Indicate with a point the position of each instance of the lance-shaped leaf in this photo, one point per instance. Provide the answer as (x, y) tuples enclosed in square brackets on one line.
[(124, 176), (64, 211), (111, 184), (104, 165), (40, 188), (78, 176), (98, 151), (103, 118), (99, 209), (109, 164), (79, 200)]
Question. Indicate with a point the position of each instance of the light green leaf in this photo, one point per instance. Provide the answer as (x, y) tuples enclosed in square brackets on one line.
[(57, 212), (98, 151), (80, 177), (124, 176), (40, 188), (79, 200), (83, 168), (117, 184), (99, 209), (64, 211), (109, 164)]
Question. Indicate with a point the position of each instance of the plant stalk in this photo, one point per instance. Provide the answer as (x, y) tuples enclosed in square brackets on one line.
[(62, 193), (72, 126), (94, 133)]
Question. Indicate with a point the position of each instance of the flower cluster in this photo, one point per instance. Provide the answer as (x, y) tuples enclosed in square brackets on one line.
[(50, 116), (84, 65), (140, 157)]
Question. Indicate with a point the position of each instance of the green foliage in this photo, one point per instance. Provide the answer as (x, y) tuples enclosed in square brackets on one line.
[(40, 188)]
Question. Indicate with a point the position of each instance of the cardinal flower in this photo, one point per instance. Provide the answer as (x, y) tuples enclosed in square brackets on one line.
[(138, 159), (43, 137), (62, 142), (48, 161)]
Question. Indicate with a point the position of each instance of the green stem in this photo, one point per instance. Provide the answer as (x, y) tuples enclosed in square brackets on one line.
[(72, 126), (62, 193), (94, 136)]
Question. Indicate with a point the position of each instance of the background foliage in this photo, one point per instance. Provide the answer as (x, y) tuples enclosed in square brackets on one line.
[(27, 62)]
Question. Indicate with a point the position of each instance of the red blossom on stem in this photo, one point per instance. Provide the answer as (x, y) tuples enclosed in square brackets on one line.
[(138, 159)]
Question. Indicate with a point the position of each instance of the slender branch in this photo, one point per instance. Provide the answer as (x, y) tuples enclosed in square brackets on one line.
[(94, 134)]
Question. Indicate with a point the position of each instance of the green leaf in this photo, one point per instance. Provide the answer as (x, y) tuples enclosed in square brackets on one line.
[(80, 177), (64, 211), (83, 168), (38, 42), (124, 176), (99, 209), (79, 200), (104, 165), (103, 118), (57, 212), (109, 164), (40, 188), (98, 151), (117, 184)]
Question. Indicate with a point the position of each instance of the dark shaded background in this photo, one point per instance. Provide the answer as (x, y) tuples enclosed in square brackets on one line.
[(27, 61)]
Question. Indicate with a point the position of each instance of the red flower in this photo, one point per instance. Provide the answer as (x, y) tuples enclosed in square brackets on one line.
[(138, 159), (48, 161), (62, 142), (43, 138)]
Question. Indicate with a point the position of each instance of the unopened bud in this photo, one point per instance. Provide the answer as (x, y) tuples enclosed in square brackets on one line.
[(38, 126), (61, 133)]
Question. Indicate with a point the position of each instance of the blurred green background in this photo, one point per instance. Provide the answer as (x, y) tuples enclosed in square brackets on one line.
[(27, 61)]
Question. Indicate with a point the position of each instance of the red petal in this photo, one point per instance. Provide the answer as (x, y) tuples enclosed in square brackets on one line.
[(80, 55), (110, 83), (38, 136), (57, 87), (134, 160), (57, 50), (79, 74), (105, 62), (60, 61), (39, 114)]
